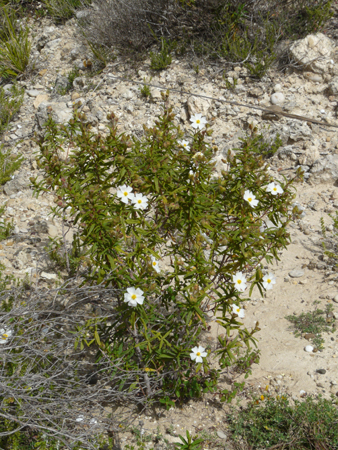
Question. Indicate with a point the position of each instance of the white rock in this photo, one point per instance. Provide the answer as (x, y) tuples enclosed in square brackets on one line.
[(314, 52), (309, 348), (315, 77), (48, 276), (221, 435), (277, 88), (277, 98)]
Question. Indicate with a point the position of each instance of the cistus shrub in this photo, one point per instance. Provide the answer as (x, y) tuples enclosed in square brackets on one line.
[(176, 242)]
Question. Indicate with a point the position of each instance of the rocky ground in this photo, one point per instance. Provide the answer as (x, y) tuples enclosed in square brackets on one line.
[(307, 88)]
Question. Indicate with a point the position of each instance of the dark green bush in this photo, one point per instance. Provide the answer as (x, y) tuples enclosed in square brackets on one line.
[(304, 425)]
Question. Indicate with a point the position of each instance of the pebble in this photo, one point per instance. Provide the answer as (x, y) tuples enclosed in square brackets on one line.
[(277, 88), (335, 298), (297, 273), (309, 348), (321, 371), (315, 77), (309, 335), (277, 98), (221, 435)]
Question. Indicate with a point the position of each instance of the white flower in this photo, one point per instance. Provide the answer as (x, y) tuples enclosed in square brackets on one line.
[(140, 201), (240, 281), (198, 121), (274, 188), (250, 198), (198, 353), (237, 310), (184, 144), (80, 418), (125, 192), (5, 334), (134, 296), (154, 263), (268, 281)]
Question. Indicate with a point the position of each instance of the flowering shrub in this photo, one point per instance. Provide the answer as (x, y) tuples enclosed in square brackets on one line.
[(173, 240)]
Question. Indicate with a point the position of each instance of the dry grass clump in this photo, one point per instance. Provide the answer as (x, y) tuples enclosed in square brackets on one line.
[(208, 27)]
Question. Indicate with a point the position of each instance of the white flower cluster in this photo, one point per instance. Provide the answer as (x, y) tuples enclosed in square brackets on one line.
[(273, 188), (240, 283), (5, 334), (125, 193)]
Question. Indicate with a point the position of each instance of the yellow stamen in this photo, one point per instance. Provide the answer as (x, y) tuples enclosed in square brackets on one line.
[(269, 281), (133, 296), (198, 354), (239, 281), (154, 263), (249, 199), (139, 201), (125, 194), (198, 121)]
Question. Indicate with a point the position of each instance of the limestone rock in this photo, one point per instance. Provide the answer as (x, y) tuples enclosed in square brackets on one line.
[(18, 183), (332, 88), (59, 111), (324, 170), (313, 53), (197, 105), (39, 99)]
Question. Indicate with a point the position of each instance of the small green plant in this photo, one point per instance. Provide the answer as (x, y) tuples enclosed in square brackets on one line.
[(15, 48), (62, 10), (5, 228), (263, 63), (8, 164), (10, 104), (145, 89), (189, 443), (261, 145), (314, 323), (228, 84), (275, 422), (161, 60), (74, 73)]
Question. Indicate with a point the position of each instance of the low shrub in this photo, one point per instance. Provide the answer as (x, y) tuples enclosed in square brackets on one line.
[(138, 203), (314, 323), (278, 422)]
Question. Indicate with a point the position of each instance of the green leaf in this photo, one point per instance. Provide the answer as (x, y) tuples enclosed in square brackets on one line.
[(97, 338), (156, 184)]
